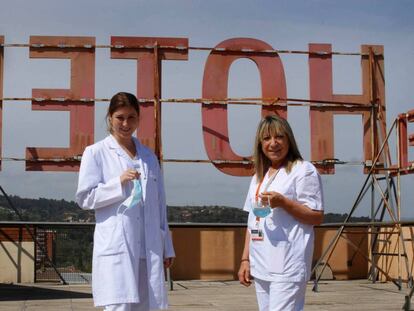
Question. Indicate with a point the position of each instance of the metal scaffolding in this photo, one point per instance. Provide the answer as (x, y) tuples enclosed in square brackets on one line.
[(390, 204)]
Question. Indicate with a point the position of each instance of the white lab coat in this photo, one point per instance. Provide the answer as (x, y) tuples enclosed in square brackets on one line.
[(285, 254), (117, 239)]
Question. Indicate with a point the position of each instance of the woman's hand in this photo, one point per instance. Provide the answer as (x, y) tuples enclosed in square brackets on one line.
[(244, 273), (129, 175), (274, 199), (300, 211), (168, 262)]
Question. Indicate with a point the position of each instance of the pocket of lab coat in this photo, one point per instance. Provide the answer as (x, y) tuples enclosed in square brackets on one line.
[(276, 256), (109, 239)]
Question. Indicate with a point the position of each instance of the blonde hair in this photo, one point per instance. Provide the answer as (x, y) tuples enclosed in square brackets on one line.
[(274, 125)]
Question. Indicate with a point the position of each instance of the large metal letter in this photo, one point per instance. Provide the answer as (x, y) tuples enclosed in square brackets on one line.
[(78, 100), (321, 88), (215, 83), (149, 52), (1, 95), (405, 140)]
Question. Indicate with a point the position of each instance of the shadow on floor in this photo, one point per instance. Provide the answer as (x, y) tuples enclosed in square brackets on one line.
[(13, 292)]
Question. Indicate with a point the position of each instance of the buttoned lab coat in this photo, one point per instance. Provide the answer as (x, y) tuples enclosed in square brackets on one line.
[(117, 239), (285, 254)]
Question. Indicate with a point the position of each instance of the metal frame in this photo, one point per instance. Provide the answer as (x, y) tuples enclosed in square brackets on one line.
[(381, 165), (392, 194), (149, 53)]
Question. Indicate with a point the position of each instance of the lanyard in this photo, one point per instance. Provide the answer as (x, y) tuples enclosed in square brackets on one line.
[(271, 179)]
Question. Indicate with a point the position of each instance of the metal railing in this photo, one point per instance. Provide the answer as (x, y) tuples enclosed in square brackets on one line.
[(69, 247), (62, 251)]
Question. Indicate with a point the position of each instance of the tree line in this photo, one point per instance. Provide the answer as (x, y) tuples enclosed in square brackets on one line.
[(51, 210)]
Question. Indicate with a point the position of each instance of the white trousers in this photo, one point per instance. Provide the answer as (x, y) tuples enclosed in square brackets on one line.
[(143, 305), (273, 296)]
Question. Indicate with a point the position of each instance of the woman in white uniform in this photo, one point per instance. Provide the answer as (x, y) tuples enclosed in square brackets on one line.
[(121, 180), (284, 202)]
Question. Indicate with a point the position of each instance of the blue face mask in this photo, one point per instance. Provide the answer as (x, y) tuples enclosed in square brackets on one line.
[(136, 193), (137, 190), (262, 212)]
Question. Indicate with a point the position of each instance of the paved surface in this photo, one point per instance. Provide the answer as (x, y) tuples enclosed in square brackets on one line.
[(205, 295)]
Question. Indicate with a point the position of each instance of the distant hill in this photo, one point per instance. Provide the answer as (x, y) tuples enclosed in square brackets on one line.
[(64, 211), (210, 214), (339, 218), (44, 210)]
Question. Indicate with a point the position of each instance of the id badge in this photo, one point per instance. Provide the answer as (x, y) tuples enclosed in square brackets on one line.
[(256, 234)]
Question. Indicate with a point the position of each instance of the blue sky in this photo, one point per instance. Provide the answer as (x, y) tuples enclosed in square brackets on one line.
[(283, 24)]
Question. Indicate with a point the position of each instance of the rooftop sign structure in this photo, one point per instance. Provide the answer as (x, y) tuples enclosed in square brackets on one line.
[(149, 52), (323, 104)]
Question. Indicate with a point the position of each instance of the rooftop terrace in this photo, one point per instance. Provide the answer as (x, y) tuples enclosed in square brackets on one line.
[(208, 295)]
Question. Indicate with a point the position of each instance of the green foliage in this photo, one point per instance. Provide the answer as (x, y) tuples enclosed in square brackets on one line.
[(206, 214), (340, 218), (49, 210), (73, 249), (42, 209)]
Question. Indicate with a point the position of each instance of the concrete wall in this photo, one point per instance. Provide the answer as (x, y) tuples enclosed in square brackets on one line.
[(214, 253), (346, 262), (16, 256), (207, 253)]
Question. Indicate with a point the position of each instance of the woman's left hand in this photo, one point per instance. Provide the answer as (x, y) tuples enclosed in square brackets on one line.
[(168, 262), (274, 199)]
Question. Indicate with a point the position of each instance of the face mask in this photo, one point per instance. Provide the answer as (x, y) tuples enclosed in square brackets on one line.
[(136, 193), (137, 190), (260, 210)]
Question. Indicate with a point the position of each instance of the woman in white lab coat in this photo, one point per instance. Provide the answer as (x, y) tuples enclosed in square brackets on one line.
[(121, 180), (284, 202)]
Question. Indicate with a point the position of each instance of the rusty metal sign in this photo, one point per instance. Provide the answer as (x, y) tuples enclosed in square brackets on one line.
[(149, 52), (215, 84), (404, 140), (149, 78), (372, 97), (1, 93), (78, 100)]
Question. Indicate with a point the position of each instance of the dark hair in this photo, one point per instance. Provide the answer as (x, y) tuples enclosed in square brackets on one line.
[(274, 125), (120, 100)]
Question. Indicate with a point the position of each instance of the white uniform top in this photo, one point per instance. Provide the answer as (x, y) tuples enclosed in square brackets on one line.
[(285, 254), (118, 239)]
